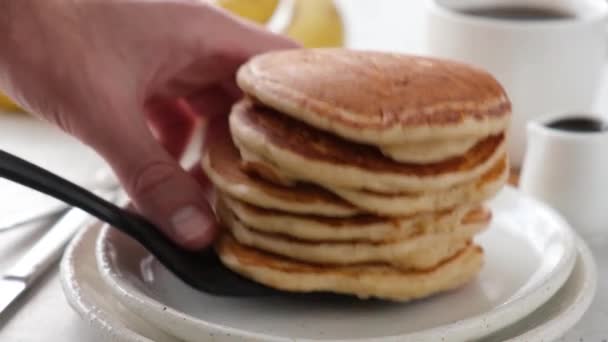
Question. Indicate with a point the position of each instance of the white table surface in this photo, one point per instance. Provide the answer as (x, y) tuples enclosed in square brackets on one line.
[(44, 315)]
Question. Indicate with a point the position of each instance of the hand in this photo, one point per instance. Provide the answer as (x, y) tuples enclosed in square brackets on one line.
[(107, 71)]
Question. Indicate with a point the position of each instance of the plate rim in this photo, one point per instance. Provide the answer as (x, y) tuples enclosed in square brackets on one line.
[(560, 325), (141, 303), (84, 305)]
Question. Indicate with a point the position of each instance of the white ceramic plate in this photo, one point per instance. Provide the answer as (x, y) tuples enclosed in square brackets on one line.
[(91, 298), (530, 252)]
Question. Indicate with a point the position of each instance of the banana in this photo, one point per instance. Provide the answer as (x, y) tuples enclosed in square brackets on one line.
[(7, 104), (317, 23)]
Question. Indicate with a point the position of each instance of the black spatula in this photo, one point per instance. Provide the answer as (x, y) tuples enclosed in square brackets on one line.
[(201, 270)]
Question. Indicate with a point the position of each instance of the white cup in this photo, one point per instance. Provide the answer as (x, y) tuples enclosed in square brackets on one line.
[(569, 171), (546, 66)]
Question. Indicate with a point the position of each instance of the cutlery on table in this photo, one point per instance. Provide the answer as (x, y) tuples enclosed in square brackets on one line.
[(104, 180), (21, 218), (201, 270), (40, 257)]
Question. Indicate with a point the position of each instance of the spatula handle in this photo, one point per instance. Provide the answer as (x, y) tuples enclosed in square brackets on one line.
[(32, 176), (25, 173)]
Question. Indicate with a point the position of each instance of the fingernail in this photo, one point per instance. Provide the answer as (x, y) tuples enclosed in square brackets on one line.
[(190, 224)]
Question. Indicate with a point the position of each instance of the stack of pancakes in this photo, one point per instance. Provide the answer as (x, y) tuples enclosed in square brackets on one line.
[(360, 173)]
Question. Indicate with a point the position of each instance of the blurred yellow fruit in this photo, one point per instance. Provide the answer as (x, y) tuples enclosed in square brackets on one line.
[(7, 104), (259, 11), (316, 23)]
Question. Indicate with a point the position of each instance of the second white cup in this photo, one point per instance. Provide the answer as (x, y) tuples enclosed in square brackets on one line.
[(566, 166), (547, 65)]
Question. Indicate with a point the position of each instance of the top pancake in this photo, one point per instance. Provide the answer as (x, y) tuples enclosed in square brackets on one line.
[(378, 98)]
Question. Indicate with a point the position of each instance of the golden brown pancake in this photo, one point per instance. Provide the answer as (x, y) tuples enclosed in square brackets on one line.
[(408, 203), (307, 154), (221, 162), (253, 164), (360, 228), (364, 280), (376, 97), (429, 151), (405, 203), (419, 251)]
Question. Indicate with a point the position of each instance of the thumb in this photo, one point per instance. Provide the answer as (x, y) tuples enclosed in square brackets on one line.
[(160, 189)]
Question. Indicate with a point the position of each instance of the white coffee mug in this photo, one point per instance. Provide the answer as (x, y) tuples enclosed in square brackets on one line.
[(569, 171), (546, 66)]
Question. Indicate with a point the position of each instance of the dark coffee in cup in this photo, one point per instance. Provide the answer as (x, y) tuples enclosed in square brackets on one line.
[(581, 125), (519, 13)]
